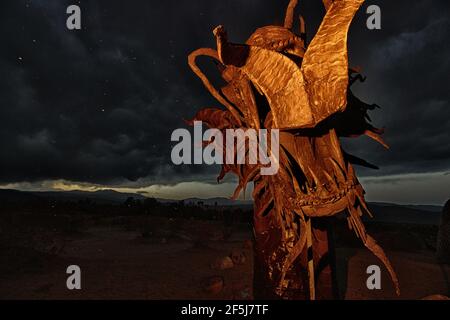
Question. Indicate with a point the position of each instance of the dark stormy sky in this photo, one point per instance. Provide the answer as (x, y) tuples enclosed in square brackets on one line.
[(95, 108)]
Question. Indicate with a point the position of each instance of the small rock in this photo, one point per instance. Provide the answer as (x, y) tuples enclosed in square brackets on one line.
[(238, 257), (222, 263), (241, 291), (244, 294), (214, 284)]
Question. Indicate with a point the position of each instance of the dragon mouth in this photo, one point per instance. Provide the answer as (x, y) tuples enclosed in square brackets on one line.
[(315, 204)]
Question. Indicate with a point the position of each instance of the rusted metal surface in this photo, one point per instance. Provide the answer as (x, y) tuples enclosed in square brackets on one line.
[(276, 81)]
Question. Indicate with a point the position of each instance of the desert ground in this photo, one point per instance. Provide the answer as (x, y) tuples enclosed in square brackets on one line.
[(138, 257)]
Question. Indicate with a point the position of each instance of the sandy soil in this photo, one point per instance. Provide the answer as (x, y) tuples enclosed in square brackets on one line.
[(123, 264)]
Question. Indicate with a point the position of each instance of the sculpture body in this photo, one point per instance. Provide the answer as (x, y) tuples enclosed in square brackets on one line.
[(276, 81)]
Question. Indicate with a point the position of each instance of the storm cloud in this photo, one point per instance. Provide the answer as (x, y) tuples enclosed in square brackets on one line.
[(98, 105)]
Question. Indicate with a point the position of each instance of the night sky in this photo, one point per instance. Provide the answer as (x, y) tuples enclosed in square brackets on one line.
[(95, 108)]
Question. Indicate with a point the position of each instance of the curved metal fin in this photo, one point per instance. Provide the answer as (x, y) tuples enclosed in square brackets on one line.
[(281, 81), (325, 64), (274, 75)]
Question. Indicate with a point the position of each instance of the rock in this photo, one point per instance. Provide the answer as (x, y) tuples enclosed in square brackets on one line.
[(238, 257), (443, 241), (214, 284), (244, 294), (241, 291), (222, 263)]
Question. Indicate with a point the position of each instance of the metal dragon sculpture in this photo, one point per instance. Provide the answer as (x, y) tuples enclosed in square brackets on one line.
[(276, 81)]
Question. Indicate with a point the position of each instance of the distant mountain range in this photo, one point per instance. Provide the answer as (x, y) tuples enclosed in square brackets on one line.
[(386, 212), (220, 201), (424, 207), (430, 215), (107, 196), (101, 196)]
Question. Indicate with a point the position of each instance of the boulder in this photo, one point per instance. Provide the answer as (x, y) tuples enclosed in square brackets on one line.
[(214, 284), (222, 263), (238, 257)]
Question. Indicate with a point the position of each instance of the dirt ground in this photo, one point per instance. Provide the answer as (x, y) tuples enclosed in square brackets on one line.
[(117, 263)]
